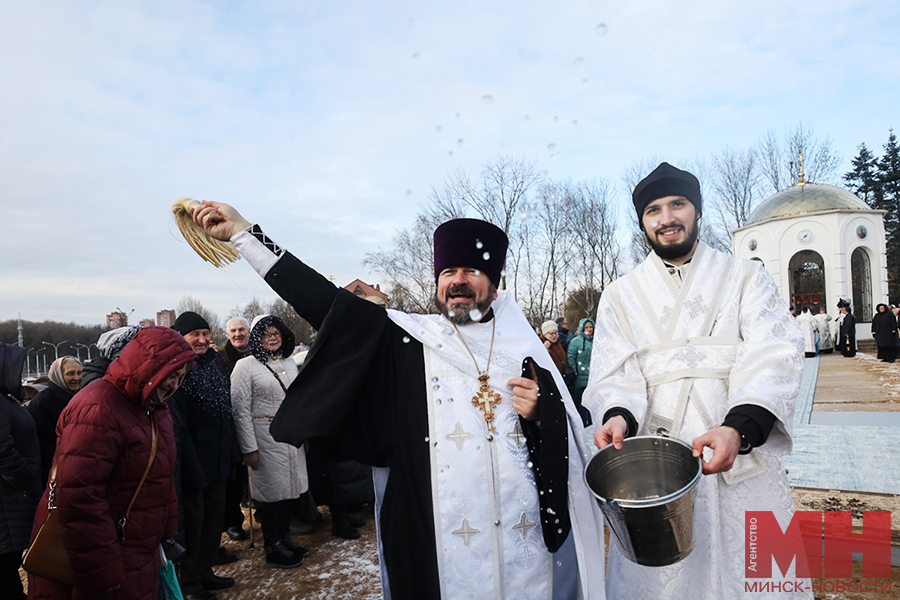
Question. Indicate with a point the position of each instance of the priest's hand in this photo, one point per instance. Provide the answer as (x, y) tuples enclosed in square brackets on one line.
[(612, 432), (525, 395), (725, 443), (218, 220), (251, 459)]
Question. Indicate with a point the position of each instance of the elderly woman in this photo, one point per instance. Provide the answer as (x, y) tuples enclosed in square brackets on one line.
[(277, 470), (65, 380), (106, 444), (884, 330), (20, 468)]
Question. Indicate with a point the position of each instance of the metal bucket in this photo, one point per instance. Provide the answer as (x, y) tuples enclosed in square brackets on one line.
[(646, 491)]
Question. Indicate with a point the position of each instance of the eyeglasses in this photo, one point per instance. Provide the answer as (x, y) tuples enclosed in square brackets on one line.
[(270, 334)]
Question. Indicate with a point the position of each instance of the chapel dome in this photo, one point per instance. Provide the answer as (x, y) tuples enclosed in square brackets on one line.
[(803, 198)]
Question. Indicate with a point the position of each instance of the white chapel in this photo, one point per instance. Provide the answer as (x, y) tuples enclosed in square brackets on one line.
[(821, 244)]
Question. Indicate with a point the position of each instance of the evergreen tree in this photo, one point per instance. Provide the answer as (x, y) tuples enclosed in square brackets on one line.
[(863, 179), (887, 198)]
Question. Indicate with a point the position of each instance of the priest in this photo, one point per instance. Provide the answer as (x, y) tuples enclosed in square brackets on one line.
[(701, 346), (480, 490)]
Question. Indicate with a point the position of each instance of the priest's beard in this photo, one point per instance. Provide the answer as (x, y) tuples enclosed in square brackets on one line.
[(678, 249), (462, 315)]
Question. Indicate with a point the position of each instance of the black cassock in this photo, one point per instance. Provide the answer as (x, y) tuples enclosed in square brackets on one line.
[(848, 335), (361, 392)]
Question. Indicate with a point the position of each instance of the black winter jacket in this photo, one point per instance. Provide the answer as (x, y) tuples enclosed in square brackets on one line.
[(20, 475), (46, 408)]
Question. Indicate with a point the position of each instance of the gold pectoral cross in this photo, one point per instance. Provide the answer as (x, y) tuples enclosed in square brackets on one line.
[(486, 400)]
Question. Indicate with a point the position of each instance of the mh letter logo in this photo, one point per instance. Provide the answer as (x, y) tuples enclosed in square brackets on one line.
[(823, 544)]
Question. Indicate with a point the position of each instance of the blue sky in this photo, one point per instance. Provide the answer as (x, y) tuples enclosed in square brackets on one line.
[(329, 122)]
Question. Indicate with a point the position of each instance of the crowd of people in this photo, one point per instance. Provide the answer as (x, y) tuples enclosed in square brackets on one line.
[(463, 428), (822, 334)]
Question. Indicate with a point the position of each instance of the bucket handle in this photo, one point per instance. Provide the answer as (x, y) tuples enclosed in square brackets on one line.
[(663, 432)]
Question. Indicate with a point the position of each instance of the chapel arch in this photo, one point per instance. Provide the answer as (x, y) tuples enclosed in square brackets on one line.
[(861, 279), (807, 269)]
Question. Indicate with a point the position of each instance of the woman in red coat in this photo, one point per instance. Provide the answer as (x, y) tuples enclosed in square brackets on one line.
[(103, 450)]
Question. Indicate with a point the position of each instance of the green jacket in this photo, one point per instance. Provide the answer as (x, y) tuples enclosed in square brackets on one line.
[(580, 353)]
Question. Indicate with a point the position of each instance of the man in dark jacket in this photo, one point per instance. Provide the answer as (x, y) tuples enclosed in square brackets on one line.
[(237, 330), (204, 406), (562, 327), (20, 467)]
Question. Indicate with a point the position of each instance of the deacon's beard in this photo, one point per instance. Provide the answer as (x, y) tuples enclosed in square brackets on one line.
[(461, 314), (678, 249)]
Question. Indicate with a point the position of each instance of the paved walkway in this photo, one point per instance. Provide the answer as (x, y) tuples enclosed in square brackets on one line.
[(844, 457)]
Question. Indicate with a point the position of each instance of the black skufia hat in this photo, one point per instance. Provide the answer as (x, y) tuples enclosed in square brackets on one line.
[(470, 243), (666, 180)]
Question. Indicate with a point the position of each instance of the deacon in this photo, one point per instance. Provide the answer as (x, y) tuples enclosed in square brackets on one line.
[(826, 338), (700, 346), (484, 496), (809, 327)]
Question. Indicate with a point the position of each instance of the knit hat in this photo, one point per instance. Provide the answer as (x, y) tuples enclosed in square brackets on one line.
[(666, 180), (472, 244), (189, 321), (113, 341), (548, 327)]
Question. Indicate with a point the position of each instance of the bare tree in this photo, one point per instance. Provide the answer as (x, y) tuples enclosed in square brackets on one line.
[(593, 221), (632, 176), (735, 183), (779, 159)]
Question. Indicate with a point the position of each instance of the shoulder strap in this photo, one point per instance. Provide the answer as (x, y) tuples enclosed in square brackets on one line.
[(277, 378), (154, 432)]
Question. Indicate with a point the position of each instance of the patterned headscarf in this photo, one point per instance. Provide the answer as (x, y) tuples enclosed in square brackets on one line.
[(260, 324), (113, 341), (57, 369)]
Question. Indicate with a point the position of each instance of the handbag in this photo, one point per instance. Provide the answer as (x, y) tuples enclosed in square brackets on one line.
[(47, 556)]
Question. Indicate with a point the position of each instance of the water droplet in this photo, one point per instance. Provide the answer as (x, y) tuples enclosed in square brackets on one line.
[(579, 61), (459, 142), (555, 118), (438, 401), (436, 387), (408, 192), (439, 346), (559, 562), (438, 127), (475, 314), (478, 244), (549, 491), (487, 99), (529, 464), (457, 115), (541, 492), (477, 272), (527, 117), (584, 80), (601, 29), (526, 218), (405, 339), (434, 379), (559, 531), (575, 122), (450, 153), (415, 55), (551, 146), (486, 256), (451, 313), (548, 201), (449, 399), (426, 440), (557, 521), (551, 511), (503, 273)]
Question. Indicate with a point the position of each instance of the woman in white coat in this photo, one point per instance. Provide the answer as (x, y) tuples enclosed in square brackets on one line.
[(277, 470)]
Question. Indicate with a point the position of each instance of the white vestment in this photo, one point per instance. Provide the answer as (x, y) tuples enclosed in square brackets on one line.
[(487, 516), (678, 355), (826, 336), (808, 327)]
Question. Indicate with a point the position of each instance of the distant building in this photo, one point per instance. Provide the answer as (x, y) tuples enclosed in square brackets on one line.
[(364, 290), (165, 318), (115, 320), (147, 323)]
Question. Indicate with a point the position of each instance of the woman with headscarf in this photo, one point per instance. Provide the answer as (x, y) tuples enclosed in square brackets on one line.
[(277, 470), (884, 330), (113, 524), (580, 358), (20, 472), (110, 344), (65, 380)]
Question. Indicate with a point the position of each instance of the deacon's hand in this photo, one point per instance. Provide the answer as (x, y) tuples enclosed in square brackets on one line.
[(725, 442), (218, 220), (525, 395), (251, 459), (612, 432)]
